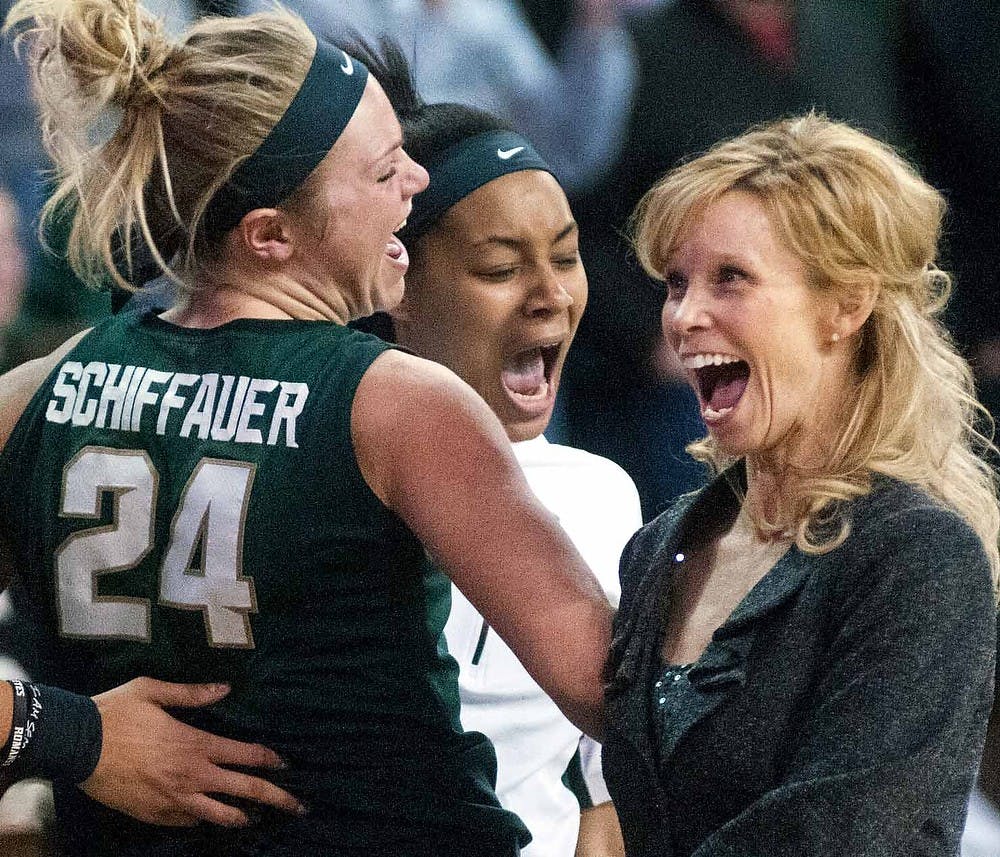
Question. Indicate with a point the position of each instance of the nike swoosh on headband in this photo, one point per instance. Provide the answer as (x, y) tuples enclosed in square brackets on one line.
[(464, 166), (311, 124)]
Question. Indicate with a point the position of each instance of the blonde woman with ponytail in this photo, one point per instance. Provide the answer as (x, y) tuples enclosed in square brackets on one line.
[(243, 491), (803, 659)]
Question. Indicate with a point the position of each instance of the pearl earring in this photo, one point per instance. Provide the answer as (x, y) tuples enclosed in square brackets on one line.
[(835, 337)]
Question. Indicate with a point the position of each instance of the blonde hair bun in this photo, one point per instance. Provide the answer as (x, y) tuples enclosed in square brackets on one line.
[(108, 51), (143, 130)]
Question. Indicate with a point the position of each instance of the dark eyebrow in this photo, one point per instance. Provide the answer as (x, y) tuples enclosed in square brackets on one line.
[(734, 260), (566, 231), (721, 259), (515, 243)]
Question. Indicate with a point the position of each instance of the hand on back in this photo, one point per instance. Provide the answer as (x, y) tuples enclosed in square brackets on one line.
[(162, 771)]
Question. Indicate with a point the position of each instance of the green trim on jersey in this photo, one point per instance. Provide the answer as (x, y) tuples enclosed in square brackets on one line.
[(575, 781)]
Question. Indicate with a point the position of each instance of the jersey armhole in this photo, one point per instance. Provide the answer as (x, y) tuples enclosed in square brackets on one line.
[(347, 385)]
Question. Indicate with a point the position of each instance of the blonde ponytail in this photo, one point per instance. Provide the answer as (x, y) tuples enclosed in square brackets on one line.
[(142, 130)]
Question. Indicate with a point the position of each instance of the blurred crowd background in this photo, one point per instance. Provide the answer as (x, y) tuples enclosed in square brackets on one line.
[(613, 94)]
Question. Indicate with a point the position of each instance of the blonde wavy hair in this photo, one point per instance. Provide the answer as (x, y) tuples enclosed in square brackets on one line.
[(856, 215), (143, 130)]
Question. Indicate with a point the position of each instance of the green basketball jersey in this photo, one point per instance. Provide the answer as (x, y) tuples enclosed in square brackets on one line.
[(188, 506)]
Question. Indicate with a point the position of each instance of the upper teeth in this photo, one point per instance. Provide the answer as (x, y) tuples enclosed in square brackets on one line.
[(698, 361), (401, 225)]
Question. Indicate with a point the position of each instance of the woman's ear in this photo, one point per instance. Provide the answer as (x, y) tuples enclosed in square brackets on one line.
[(265, 235), (852, 309)]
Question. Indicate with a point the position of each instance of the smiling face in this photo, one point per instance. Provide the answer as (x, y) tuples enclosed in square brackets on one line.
[(352, 205), (752, 334), (496, 293)]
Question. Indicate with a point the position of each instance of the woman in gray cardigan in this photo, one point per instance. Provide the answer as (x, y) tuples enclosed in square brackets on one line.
[(803, 659)]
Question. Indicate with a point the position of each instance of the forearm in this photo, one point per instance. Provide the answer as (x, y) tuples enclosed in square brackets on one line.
[(52, 733), (578, 666), (600, 832)]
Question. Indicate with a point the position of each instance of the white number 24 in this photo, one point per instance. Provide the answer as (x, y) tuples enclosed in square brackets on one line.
[(211, 514)]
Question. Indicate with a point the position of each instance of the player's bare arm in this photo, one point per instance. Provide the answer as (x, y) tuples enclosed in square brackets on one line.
[(433, 451)]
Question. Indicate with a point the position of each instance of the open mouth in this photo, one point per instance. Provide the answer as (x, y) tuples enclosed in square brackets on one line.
[(394, 248), (722, 380), (527, 375)]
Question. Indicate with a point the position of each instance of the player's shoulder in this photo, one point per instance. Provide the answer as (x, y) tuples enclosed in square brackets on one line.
[(19, 385), (398, 380)]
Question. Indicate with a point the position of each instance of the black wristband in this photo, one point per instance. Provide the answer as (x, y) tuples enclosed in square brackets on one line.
[(18, 725), (61, 738)]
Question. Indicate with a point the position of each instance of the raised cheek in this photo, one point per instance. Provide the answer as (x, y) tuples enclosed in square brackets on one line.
[(667, 323), (578, 292)]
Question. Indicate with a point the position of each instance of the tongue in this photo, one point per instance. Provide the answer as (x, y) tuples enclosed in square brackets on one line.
[(727, 393), (525, 374)]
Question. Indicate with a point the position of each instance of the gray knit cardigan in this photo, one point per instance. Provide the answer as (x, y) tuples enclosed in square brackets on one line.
[(840, 710)]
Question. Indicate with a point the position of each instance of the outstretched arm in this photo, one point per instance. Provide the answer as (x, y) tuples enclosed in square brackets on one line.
[(432, 450)]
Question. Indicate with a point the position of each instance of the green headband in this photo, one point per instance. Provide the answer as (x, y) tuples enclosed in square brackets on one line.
[(466, 167), (294, 147)]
